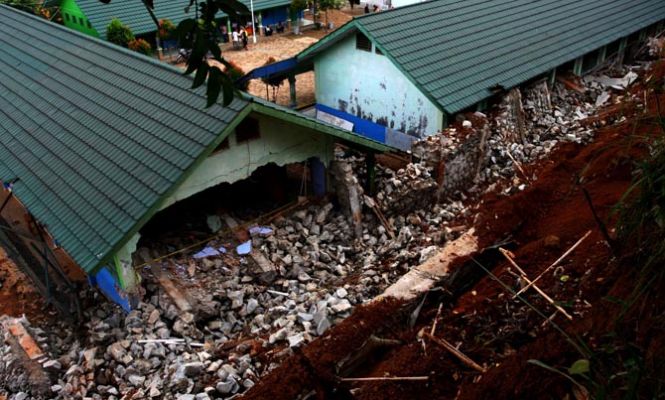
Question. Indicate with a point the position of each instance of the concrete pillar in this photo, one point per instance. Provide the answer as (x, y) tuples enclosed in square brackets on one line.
[(228, 29), (318, 171), (577, 68), (552, 78), (602, 54), (370, 185), (260, 19), (622, 50), (292, 91), (124, 266)]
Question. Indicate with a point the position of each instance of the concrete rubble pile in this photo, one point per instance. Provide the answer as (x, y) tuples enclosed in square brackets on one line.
[(240, 327), (525, 127)]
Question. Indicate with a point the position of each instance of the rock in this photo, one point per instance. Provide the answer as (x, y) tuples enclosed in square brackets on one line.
[(427, 252), (21, 396), (341, 306), (136, 380), (117, 351), (278, 336), (252, 305), (52, 365), (202, 396), (322, 326), (225, 387), (296, 340), (154, 317), (341, 293), (185, 397), (193, 369)]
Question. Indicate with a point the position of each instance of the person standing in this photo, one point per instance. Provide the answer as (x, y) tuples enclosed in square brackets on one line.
[(366, 8), (234, 38), (244, 38)]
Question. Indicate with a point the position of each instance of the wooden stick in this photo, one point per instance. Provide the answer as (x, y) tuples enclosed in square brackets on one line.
[(386, 378), (554, 264), (436, 319), (536, 288), (461, 356), (518, 165)]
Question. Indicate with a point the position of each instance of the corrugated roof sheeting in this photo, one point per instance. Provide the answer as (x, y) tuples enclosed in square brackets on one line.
[(133, 13), (95, 134), (455, 50)]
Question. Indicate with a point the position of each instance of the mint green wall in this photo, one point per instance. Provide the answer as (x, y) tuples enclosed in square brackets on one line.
[(280, 143), (72, 17), (370, 86)]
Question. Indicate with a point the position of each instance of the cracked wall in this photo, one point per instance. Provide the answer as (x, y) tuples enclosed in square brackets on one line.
[(369, 86)]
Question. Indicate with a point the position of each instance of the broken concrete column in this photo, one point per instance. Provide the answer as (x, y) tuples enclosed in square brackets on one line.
[(349, 193)]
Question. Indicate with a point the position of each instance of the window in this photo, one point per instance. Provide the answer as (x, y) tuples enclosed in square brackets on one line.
[(247, 130), (67, 17), (363, 42), (89, 24), (81, 21), (378, 51)]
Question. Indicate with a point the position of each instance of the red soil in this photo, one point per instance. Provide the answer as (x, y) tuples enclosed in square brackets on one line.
[(488, 326)]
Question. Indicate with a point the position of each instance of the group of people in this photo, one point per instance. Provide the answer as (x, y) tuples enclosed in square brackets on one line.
[(239, 38)]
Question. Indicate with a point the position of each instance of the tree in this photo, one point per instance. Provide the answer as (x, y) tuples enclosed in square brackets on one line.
[(25, 5), (167, 29), (200, 34), (118, 33), (319, 5), (140, 46), (325, 5)]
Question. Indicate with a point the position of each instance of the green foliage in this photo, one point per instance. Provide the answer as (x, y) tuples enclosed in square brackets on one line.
[(201, 37), (298, 5), (140, 46), (118, 33), (25, 5), (167, 29), (325, 5)]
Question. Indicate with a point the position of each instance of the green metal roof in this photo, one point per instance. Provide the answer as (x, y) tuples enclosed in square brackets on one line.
[(456, 50), (98, 136), (133, 13)]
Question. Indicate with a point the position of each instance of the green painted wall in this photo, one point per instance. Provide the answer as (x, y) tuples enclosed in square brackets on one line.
[(73, 18), (280, 143), (370, 86)]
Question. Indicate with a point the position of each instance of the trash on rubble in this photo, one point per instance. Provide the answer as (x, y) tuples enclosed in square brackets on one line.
[(261, 231), (244, 248), (208, 252)]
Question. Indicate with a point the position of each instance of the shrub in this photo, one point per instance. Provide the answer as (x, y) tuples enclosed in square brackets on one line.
[(166, 29), (118, 33), (141, 46)]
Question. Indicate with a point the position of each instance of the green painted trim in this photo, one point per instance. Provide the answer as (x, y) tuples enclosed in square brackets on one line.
[(318, 126), (118, 272), (552, 79), (341, 31), (577, 68), (156, 206), (602, 55)]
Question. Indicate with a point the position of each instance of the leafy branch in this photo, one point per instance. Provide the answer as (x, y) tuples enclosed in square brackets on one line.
[(201, 36)]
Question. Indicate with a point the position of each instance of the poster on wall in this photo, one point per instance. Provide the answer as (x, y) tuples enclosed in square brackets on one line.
[(333, 120)]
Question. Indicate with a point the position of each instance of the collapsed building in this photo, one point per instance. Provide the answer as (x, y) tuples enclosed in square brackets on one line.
[(97, 140), (404, 73)]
